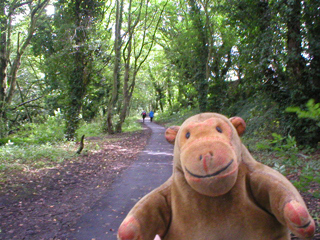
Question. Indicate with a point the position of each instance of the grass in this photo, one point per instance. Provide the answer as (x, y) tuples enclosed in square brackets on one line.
[(131, 124), (29, 155), (27, 158)]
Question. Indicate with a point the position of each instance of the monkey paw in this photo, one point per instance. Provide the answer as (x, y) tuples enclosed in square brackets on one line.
[(129, 229), (298, 219)]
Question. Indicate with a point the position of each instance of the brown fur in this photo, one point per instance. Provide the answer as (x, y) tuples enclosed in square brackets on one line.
[(218, 191)]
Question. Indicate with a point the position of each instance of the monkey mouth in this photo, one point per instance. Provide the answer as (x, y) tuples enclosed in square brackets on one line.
[(212, 174)]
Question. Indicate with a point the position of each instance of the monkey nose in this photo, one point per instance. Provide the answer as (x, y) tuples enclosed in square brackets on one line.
[(206, 160), (207, 157)]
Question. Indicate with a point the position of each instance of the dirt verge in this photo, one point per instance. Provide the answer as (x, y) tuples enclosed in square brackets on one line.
[(46, 204)]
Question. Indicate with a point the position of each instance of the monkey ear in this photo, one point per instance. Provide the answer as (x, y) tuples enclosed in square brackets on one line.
[(171, 133), (239, 124)]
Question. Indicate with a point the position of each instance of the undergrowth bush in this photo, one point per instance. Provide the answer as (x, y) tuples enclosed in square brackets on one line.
[(305, 125), (175, 118), (131, 124), (51, 131), (310, 174), (284, 147), (95, 128), (312, 112), (289, 159), (43, 145), (3, 129), (33, 156), (92, 129)]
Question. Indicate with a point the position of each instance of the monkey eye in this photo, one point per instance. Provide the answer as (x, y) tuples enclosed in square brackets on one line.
[(219, 129), (187, 134)]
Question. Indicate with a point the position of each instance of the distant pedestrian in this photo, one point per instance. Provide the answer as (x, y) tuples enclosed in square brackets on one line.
[(151, 114), (144, 114)]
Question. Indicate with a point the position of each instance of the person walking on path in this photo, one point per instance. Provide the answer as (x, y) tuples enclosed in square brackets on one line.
[(144, 114), (151, 114)]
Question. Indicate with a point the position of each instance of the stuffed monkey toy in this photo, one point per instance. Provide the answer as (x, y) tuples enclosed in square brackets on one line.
[(217, 191)]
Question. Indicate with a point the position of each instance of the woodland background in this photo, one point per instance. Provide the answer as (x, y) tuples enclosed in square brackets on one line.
[(70, 68), (80, 61)]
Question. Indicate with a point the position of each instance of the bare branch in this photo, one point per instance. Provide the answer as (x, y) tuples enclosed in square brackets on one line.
[(153, 38), (16, 5), (31, 100)]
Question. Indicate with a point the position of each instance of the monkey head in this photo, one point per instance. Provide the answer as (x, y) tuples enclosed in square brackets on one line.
[(207, 151)]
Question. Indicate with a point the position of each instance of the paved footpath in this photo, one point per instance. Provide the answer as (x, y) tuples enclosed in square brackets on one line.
[(152, 168)]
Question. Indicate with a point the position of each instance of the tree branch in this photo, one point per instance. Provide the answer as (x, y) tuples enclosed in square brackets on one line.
[(31, 100)]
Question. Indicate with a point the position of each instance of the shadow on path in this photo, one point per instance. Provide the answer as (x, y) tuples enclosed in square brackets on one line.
[(152, 168)]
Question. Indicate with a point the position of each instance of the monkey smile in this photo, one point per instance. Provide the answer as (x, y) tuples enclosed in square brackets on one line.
[(210, 175)]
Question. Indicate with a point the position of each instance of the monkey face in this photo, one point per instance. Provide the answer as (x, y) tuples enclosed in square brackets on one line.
[(207, 156), (206, 153)]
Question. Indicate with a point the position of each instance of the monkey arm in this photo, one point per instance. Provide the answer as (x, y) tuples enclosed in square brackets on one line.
[(150, 216), (278, 196)]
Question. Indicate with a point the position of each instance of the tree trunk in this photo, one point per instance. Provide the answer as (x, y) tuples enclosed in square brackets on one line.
[(201, 55), (126, 78), (116, 70), (295, 59), (80, 77), (169, 89), (126, 94), (312, 19), (76, 94), (3, 56)]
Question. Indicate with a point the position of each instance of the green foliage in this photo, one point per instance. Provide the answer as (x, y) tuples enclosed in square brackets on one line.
[(51, 131), (42, 146), (306, 127), (263, 145), (92, 129), (176, 118), (260, 114), (95, 127), (278, 142), (312, 112), (3, 129), (131, 124), (75, 52), (288, 160), (210, 55), (31, 156), (268, 63), (279, 167), (285, 147), (310, 174)]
